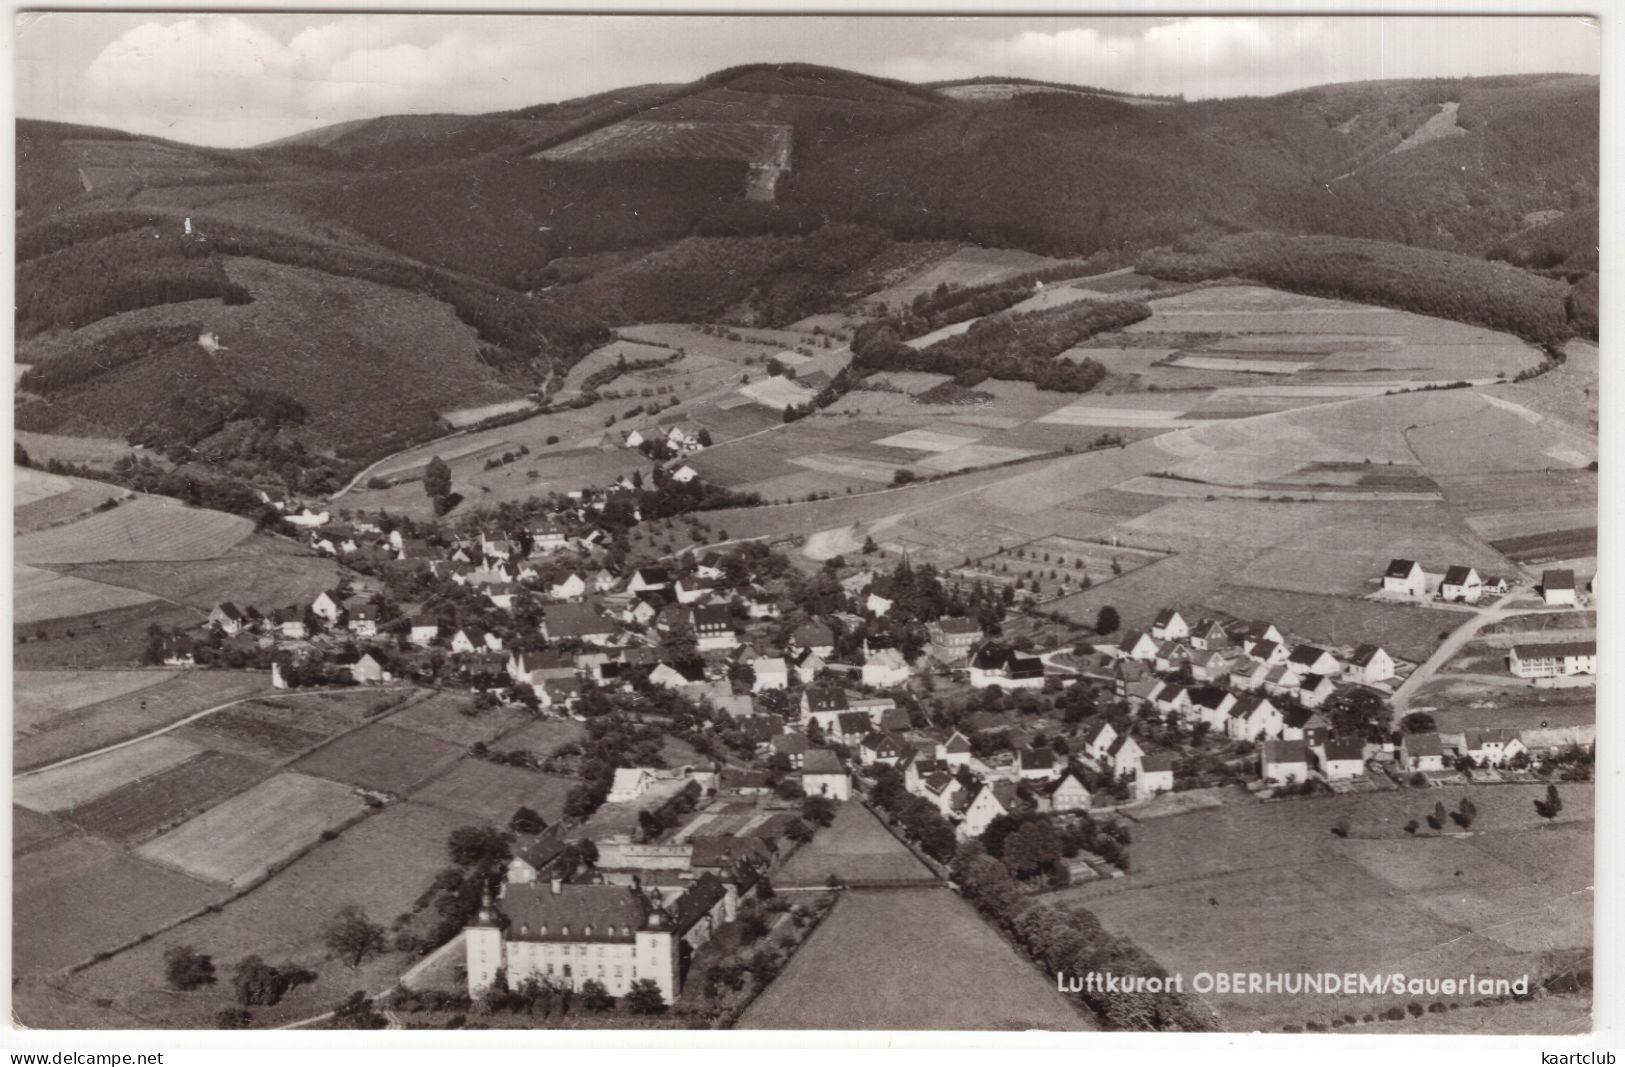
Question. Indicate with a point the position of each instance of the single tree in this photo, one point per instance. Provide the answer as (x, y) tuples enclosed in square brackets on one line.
[(798, 831), (1548, 809), (186, 968), (437, 480), (257, 982), (351, 935), (477, 846), (527, 821), (1107, 620), (644, 998), (594, 997), (1341, 827), (1418, 722)]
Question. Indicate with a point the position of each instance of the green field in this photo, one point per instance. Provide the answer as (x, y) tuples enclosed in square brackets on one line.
[(910, 959), (1267, 887), (381, 757), (491, 792)]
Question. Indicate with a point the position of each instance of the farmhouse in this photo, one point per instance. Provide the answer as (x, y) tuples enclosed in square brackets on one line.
[(792, 746), (1492, 747), (1557, 588), (1421, 752), (229, 617), (575, 622), (995, 665), (823, 776), (1135, 644), (1253, 717), (367, 668), (1307, 659), (714, 628), (1405, 577), (1554, 660), (327, 606), (1285, 761), (1369, 665), (1461, 585)]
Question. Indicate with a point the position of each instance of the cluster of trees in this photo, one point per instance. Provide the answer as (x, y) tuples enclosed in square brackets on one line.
[(118, 349), (1070, 940), (1015, 347), (1032, 845), (918, 817), (137, 268), (1443, 284)]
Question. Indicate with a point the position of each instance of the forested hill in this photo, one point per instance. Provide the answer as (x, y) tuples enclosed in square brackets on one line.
[(503, 247)]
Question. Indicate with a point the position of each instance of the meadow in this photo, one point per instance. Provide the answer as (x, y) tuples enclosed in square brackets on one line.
[(142, 528), (1266, 887), (491, 792), (854, 848), (381, 757), (910, 959)]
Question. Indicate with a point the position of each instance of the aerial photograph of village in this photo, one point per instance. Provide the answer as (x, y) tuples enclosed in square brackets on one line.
[(565, 523)]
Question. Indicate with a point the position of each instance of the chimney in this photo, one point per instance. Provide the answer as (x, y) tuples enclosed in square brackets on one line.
[(558, 885)]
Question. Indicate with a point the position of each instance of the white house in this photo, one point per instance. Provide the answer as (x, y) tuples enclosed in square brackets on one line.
[(1421, 752), (1170, 625), (1036, 764), (714, 628), (327, 606), (1252, 717), (1125, 756), (690, 590), (1405, 577), (1369, 665), (1553, 660), (1308, 659), (772, 672), (1069, 794), (571, 587), (648, 578), (884, 668), (684, 474), (1557, 588), (823, 776), (1156, 775), (877, 605), (1285, 761), (229, 617), (995, 665), (424, 630), (1344, 758), (1461, 584), (1493, 747), (1098, 741), (991, 800)]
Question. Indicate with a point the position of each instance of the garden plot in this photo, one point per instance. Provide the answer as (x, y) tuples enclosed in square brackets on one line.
[(79, 896), (73, 784), (241, 839)]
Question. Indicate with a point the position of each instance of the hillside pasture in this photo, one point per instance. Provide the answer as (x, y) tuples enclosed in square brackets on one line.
[(32, 828), (39, 696), (260, 571), (151, 805), (491, 792), (749, 142), (71, 731), (381, 757), (41, 500), (966, 267), (441, 717), (141, 528), (92, 451), (79, 896), (40, 595), (237, 841), (544, 736), (109, 638), (73, 784), (1265, 887)]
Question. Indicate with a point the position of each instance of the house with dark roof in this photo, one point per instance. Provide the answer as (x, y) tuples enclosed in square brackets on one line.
[(1369, 665), (1557, 588), (1284, 761), (1461, 585), (1405, 577), (575, 622), (229, 617), (1308, 659), (814, 637), (1169, 625), (952, 639), (986, 804), (1344, 758), (1421, 752), (1555, 659), (1156, 774), (822, 775), (1037, 764), (994, 664)]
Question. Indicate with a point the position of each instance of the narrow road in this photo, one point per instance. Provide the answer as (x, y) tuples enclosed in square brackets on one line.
[(1481, 617), (194, 717)]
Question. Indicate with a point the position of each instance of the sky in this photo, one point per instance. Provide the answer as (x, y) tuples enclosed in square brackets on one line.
[(238, 79)]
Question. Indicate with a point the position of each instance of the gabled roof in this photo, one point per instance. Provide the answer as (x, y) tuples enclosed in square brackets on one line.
[(1458, 575), (1422, 745), (1345, 748), (1154, 762), (1364, 655), (706, 893), (1036, 759), (826, 698), (957, 742), (957, 625), (1207, 696), (1400, 568), (812, 635), (1166, 616), (712, 616), (1476, 739), (536, 913), (821, 761), (1557, 579), (790, 743), (852, 722), (1306, 655), (1286, 752)]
